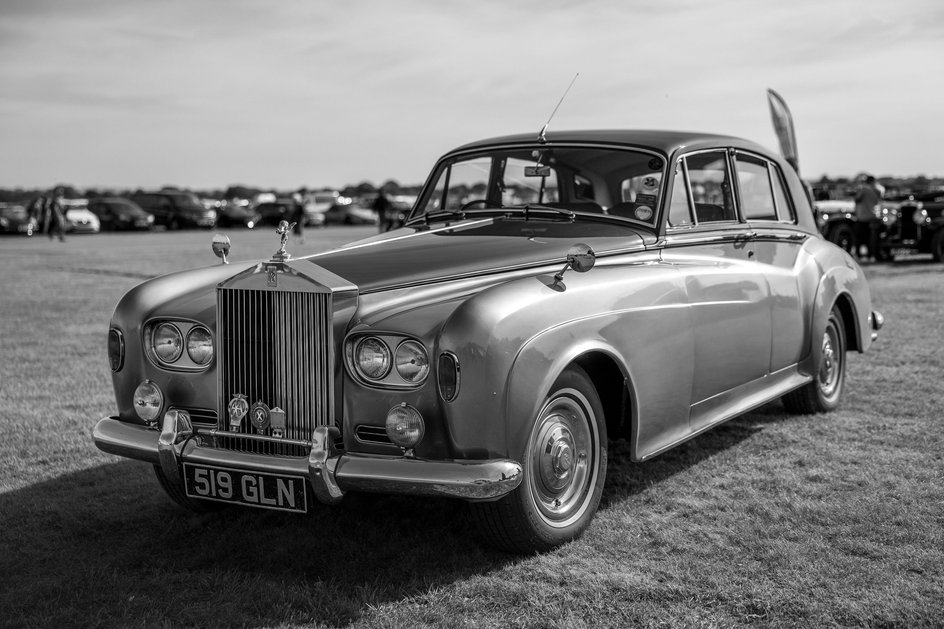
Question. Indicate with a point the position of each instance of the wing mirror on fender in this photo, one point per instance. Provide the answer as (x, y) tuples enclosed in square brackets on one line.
[(221, 246), (580, 258)]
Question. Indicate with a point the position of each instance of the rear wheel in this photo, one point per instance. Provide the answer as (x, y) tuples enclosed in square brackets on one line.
[(177, 494), (824, 392), (564, 461)]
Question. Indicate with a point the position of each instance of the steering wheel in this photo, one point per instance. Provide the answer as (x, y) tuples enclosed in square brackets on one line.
[(469, 204)]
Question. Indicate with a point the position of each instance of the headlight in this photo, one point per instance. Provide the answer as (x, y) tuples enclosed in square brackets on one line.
[(372, 358), (405, 426), (412, 362), (116, 349), (167, 342), (200, 345), (148, 401)]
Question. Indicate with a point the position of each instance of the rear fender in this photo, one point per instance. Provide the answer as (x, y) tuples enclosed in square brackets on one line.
[(843, 284)]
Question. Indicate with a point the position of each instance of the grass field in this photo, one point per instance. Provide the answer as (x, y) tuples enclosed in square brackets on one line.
[(771, 519)]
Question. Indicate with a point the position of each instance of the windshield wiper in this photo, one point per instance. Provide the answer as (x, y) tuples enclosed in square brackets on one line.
[(528, 208), (426, 217)]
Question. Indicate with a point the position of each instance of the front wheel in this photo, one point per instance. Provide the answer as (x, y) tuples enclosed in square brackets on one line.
[(564, 461), (824, 392)]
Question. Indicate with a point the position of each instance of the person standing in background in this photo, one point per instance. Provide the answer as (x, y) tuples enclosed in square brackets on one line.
[(868, 210), (384, 209), (55, 216)]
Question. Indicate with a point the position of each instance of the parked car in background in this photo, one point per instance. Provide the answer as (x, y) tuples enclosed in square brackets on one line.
[(116, 213), (350, 214), (14, 219), (837, 222), (914, 224), (176, 209), (271, 212), (234, 214), (320, 202), (79, 219)]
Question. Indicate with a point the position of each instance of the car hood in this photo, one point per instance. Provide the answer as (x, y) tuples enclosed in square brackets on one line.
[(472, 248)]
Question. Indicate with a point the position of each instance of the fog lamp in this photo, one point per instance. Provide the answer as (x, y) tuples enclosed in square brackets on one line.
[(147, 401), (405, 426)]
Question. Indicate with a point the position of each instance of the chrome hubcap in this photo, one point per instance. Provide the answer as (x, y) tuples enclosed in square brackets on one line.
[(563, 468), (829, 370)]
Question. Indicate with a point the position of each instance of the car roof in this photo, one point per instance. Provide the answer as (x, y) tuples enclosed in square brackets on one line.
[(665, 141)]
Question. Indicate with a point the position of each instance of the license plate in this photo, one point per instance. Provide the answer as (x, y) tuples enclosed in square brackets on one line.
[(253, 489)]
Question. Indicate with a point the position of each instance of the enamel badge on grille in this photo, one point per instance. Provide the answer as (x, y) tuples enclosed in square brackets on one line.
[(237, 408), (277, 421), (259, 416)]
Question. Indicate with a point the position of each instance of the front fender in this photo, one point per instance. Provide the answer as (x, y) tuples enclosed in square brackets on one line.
[(514, 340)]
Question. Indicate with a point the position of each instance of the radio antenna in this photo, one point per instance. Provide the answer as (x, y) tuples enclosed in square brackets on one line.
[(541, 137)]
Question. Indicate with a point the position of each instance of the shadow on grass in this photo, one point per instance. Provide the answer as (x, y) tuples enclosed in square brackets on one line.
[(625, 478), (104, 547)]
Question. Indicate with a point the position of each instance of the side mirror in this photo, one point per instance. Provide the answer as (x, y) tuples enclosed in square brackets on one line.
[(580, 258), (221, 246)]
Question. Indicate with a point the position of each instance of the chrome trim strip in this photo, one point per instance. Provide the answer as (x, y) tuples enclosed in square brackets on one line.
[(215, 432)]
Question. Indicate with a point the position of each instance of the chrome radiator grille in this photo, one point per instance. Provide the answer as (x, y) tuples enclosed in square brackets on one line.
[(274, 347)]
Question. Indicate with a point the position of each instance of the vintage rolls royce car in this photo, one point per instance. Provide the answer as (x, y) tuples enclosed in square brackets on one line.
[(547, 295)]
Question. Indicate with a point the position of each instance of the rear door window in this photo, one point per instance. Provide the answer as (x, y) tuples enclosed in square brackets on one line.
[(756, 192)]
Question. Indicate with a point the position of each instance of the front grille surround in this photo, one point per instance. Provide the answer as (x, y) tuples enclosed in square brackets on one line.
[(275, 347)]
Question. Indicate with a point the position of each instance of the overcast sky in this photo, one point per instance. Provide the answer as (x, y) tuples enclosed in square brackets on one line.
[(202, 94)]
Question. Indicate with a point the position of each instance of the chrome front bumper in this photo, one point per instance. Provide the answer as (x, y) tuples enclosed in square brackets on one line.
[(329, 472)]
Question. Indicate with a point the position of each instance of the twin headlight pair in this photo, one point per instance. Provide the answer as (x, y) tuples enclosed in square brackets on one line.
[(166, 341), (389, 360)]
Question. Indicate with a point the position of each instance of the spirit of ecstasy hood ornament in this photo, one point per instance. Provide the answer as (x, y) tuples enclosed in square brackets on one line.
[(283, 230)]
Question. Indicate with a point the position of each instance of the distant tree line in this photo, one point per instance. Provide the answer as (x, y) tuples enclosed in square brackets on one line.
[(825, 187), (238, 191), (845, 187)]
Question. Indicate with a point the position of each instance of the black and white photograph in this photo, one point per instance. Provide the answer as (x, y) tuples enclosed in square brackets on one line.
[(494, 314)]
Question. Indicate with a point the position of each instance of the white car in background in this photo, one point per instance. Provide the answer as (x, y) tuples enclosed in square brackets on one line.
[(80, 219)]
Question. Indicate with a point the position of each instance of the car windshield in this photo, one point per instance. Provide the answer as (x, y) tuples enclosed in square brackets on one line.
[(576, 180)]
